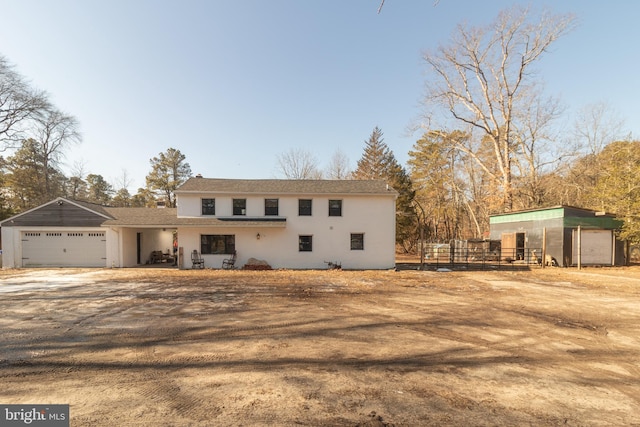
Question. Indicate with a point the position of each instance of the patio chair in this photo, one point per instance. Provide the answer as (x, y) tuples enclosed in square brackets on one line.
[(155, 257), (196, 260), (228, 264)]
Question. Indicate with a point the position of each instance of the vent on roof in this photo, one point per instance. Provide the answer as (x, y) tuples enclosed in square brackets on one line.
[(199, 176), (161, 204)]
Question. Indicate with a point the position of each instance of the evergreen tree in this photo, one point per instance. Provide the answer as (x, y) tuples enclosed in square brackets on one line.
[(378, 162), (31, 179), (617, 189), (406, 215), (451, 188), (376, 159), (433, 174), (77, 188), (169, 171), (122, 199), (143, 198), (5, 207), (99, 190)]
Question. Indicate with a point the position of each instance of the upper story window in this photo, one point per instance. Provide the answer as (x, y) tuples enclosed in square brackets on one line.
[(239, 206), (271, 207), (335, 207), (208, 206), (304, 207)]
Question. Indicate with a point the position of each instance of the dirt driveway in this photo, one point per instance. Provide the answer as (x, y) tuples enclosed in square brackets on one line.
[(136, 347)]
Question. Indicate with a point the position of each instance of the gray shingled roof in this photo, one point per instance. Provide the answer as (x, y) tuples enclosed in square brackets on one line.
[(152, 217), (141, 216), (92, 206), (286, 186)]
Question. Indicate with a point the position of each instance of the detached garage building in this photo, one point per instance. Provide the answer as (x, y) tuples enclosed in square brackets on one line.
[(567, 234)]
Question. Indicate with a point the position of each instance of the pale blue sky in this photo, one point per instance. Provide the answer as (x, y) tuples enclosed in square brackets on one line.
[(234, 83)]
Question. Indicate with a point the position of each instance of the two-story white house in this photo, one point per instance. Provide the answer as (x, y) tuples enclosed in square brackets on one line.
[(298, 224), (290, 223)]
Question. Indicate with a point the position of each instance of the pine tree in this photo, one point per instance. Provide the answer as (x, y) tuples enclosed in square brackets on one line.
[(378, 162), (376, 159), (99, 191), (617, 189), (169, 171), (31, 179)]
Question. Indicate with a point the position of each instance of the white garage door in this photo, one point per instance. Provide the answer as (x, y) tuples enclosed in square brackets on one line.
[(597, 247), (64, 249)]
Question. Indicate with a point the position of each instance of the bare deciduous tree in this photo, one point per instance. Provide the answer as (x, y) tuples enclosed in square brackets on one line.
[(124, 180), (596, 126), (538, 152), (76, 185), (18, 104), (122, 197), (298, 163), (483, 80), (338, 166), (53, 130)]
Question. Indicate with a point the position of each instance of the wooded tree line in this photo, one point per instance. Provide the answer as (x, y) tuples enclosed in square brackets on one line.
[(491, 142)]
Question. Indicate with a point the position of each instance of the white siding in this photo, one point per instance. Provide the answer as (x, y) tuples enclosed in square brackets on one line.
[(10, 241), (373, 216)]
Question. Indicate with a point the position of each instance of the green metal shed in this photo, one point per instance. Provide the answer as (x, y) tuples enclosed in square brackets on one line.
[(565, 234)]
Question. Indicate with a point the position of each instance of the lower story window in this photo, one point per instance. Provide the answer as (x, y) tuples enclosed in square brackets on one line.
[(357, 241), (217, 244), (305, 243)]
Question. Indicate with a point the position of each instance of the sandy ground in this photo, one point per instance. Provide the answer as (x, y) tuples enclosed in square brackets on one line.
[(156, 347)]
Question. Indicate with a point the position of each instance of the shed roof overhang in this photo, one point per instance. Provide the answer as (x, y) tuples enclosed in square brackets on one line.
[(218, 222)]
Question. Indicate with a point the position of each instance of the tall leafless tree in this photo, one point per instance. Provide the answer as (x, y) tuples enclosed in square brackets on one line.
[(483, 81), (538, 150), (54, 130), (597, 125), (298, 163), (18, 104), (338, 166)]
